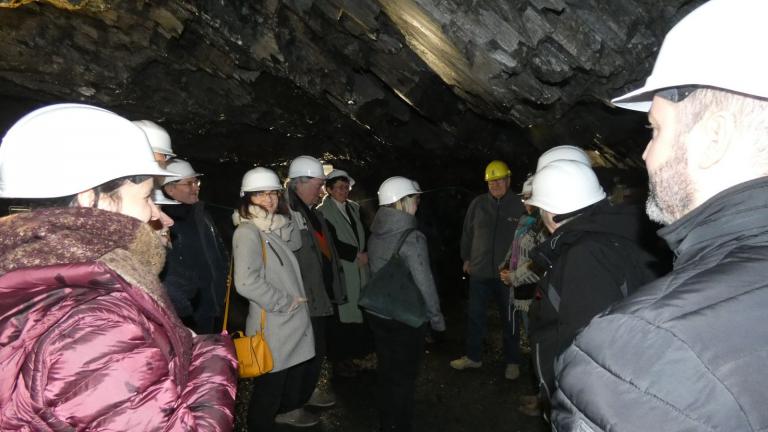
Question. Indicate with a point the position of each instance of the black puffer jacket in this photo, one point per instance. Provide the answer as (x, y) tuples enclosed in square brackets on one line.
[(590, 263), (688, 352)]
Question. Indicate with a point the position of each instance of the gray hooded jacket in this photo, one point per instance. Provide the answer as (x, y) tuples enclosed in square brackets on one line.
[(388, 225)]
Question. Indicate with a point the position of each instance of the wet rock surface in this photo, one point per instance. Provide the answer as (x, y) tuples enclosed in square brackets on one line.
[(352, 80), (446, 399)]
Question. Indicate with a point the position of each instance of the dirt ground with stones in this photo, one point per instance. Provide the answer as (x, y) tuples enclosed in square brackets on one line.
[(447, 400)]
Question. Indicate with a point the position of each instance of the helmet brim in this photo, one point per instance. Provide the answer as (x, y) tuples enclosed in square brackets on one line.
[(637, 100)]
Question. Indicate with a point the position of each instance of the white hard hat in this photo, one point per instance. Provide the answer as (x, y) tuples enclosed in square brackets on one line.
[(395, 188), (180, 169), (341, 173), (259, 179), (306, 166), (565, 186), (159, 198), (65, 149), (563, 152), (527, 186), (717, 45), (158, 137)]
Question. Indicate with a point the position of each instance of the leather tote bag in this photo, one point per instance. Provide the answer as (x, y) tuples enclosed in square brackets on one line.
[(391, 292)]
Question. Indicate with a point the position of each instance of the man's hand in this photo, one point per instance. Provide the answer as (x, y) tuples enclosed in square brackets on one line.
[(362, 259), (506, 276), (466, 267)]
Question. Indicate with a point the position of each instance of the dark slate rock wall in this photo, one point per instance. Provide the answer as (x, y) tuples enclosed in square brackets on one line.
[(414, 87)]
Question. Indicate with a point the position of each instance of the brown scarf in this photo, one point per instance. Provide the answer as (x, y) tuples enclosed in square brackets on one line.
[(75, 235)]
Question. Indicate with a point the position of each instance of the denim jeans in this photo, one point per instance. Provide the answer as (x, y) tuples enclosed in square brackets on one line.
[(480, 292)]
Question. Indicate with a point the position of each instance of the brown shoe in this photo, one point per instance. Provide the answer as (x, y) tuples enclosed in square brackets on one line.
[(298, 418), (345, 369), (368, 362), (529, 400), (530, 411)]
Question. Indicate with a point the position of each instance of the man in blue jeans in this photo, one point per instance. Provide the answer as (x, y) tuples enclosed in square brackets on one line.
[(489, 227)]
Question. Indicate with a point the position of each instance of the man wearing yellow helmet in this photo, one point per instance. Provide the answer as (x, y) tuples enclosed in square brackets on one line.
[(489, 227)]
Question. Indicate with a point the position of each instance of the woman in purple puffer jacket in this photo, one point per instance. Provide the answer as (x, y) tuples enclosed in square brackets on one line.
[(88, 338)]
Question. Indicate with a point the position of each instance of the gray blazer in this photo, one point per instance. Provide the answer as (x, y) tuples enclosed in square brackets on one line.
[(288, 332)]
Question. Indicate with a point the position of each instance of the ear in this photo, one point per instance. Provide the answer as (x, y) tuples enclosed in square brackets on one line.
[(716, 133), (86, 198), (548, 219)]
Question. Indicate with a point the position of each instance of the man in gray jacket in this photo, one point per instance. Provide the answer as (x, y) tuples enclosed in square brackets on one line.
[(318, 261), (688, 351), (489, 227)]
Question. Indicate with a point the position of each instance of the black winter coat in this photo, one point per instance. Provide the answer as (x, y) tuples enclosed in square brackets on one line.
[(688, 352), (591, 262), (195, 275)]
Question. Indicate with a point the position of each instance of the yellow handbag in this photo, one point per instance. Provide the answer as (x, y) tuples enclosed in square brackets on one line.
[(254, 358)]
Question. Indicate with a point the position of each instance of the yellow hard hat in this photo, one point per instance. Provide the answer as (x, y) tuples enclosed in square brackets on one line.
[(496, 170)]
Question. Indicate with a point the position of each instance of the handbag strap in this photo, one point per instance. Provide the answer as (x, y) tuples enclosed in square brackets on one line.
[(226, 299), (401, 241), (229, 286)]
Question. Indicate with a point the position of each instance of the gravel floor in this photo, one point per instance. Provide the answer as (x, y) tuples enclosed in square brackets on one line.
[(478, 400)]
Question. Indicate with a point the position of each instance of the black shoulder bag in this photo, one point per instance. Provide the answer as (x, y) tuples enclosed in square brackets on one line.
[(391, 292)]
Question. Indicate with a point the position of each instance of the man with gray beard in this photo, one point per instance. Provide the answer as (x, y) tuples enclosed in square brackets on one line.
[(689, 351)]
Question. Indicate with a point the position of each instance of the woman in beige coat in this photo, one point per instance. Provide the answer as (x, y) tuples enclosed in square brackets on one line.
[(267, 274)]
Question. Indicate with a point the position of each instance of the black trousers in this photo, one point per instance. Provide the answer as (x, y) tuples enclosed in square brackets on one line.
[(347, 341), (274, 393), (400, 352), (314, 367)]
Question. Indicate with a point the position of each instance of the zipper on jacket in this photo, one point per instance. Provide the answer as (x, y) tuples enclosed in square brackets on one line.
[(542, 384), (493, 238), (275, 252)]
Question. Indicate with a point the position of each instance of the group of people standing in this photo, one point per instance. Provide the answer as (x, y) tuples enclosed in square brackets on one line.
[(302, 264), (109, 323), (113, 279), (552, 257), (616, 348)]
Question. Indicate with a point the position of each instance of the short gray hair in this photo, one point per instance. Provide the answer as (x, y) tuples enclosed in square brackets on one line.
[(291, 183), (751, 115)]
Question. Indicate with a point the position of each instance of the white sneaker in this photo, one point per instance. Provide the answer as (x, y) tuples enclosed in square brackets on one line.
[(512, 372), (465, 363), (297, 418), (321, 399)]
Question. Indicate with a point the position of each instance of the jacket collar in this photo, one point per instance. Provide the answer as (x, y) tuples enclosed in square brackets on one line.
[(738, 212), (504, 198), (390, 220)]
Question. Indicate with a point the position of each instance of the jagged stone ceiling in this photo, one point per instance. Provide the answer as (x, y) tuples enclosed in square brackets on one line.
[(389, 85)]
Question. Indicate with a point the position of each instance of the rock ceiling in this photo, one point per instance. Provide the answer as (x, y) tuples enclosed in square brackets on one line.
[(413, 84)]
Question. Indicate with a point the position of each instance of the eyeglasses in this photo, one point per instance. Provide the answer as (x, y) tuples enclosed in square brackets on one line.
[(191, 183), (269, 194)]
